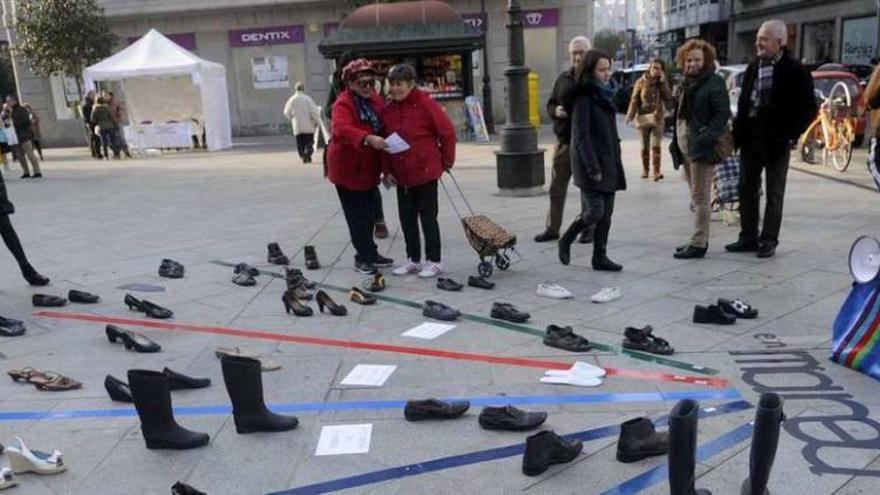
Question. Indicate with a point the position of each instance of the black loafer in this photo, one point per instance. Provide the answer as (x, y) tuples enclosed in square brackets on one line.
[(11, 328), (690, 252), (418, 410), (178, 381), (439, 311), (738, 308), (117, 389), (133, 341), (564, 338), (78, 296), (713, 314), (766, 250), (480, 283), (448, 284), (505, 311), (547, 236), (509, 418), (46, 301), (742, 246)]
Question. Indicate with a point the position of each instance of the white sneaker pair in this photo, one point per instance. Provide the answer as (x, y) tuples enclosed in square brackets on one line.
[(554, 291), (580, 374), (428, 270), (607, 294)]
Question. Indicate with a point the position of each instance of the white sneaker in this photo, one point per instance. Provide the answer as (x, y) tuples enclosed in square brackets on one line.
[(607, 294), (407, 268), (554, 291), (431, 270)]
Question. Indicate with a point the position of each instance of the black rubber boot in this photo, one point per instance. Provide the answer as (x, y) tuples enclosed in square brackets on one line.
[(765, 439), (683, 448), (244, 383), (639, 440), (567, 238), (152, 399), (546, 448)]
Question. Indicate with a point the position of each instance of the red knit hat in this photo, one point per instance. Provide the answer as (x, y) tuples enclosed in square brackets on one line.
[(356, 66)]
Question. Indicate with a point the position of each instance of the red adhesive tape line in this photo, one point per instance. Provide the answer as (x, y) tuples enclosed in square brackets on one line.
[(418, 351)]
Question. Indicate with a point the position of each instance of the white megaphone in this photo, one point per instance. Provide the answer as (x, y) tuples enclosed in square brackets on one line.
[(864, 259)]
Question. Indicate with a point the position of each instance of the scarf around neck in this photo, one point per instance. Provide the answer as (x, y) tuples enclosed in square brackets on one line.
[(366, 113)]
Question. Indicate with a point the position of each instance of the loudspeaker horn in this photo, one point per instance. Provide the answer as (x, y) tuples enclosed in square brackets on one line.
[(864, 259)]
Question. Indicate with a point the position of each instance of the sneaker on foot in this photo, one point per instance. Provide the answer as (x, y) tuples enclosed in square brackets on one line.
[(431, 270), (383, 262), (408, 268), (365, 268), (554, 291)]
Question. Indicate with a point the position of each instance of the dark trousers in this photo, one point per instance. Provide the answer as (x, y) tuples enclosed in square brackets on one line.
[(109, 139), (305, 145), (94, 142), (772, 159), (359, 208), (380, 212), (414, 205), (599, 206), (14, 244)]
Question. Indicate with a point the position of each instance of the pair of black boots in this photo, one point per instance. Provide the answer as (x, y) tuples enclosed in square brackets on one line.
[(151, 393), (601, 262), (683, 446)]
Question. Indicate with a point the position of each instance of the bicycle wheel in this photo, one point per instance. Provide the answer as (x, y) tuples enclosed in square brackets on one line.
[(810, 144), (840, 157)]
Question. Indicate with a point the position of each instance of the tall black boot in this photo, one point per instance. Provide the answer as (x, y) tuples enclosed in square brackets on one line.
[(571, 233), (244, 383), (600, 243), (683, 448), (152, 399), (765, 439)]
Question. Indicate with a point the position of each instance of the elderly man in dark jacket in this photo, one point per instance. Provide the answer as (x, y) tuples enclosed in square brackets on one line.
[(775, 107), (21, 120), (596, 165)]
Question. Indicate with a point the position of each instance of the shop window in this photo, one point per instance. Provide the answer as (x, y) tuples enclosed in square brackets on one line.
[(818, 42)]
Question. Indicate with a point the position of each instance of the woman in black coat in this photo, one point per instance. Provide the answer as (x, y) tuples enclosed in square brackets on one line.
[(12, 241), (596, 165)]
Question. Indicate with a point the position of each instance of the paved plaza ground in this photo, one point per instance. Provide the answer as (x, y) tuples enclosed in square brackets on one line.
[(98, 226)]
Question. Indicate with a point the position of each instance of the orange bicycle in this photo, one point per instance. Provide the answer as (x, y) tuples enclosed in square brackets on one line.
[(832, 132)]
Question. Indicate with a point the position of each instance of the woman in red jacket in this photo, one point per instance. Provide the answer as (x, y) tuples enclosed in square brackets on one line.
[(424, 125), (354, 160)]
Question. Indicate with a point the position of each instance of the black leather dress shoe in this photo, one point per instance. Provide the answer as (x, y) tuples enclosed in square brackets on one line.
[(480, 283), (11, 328), (510, 418), (547, 236), (602, 263), (45, 301), (690, 252), (179, 381), (713, 314), (766, 250), (418, 410), (448, 284), (439, 311), (742, 246), (78, 296), (504, 311)]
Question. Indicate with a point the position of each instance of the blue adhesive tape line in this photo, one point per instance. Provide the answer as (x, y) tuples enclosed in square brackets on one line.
[(306, 407), (659, 474), (450, 462)]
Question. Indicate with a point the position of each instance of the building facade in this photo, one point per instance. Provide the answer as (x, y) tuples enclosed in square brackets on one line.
[(818, 30), (243, 34), (683, 19)]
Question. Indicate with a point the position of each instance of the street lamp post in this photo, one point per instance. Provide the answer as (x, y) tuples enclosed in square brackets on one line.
[(519, 163), (488, 113)]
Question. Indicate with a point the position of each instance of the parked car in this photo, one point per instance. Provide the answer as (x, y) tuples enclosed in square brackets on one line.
[(824, 81), (862, 71)]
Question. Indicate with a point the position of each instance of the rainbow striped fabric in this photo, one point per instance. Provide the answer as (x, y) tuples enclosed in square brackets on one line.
[(856, 342)]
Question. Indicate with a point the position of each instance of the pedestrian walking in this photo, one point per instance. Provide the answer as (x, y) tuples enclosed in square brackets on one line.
[(596, 164), (776, 105), (702, 137), (647, 109), (35, 126), (10, 238), (561, 173), (120, 116), (423, 124), (337, 86), (94, 140), (8, 138), (305, 119), (354, 160), (21, 120), (102, 119)]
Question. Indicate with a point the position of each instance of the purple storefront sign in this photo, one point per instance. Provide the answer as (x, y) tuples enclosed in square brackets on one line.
[(541, 18), (330, 28), (277, 35), (185, 40)]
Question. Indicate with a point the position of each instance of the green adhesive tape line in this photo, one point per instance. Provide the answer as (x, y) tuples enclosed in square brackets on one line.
[(641, 356)]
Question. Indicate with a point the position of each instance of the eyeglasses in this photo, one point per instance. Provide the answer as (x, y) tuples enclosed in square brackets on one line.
[(365, 83)]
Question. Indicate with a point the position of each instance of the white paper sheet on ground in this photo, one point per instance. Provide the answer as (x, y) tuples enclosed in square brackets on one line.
[(396, 144), (368, 375), (572, 379), (428, 331), (344, 439), (579, 368)]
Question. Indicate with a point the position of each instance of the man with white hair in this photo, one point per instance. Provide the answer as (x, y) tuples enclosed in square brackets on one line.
[(305, 119), (561, 175), (775, 107)]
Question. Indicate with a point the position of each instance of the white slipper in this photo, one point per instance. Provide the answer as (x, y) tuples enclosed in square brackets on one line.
[(554, 291), (579, 368), (576, 380), (607, 294)]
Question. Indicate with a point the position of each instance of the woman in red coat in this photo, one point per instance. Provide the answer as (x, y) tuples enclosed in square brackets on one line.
[(424, 125), (354, 160)]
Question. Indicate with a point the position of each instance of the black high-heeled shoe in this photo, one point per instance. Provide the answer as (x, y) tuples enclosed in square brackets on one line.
[(324, 300), (133, 341), (293, 304), (117, 389), (35, 279), (150, 309)]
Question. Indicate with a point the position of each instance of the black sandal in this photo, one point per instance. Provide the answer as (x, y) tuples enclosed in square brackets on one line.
[(641, 339), (564, 338)]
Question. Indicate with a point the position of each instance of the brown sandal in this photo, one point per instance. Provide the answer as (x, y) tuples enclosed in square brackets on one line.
[(24, 374), (49, 381)]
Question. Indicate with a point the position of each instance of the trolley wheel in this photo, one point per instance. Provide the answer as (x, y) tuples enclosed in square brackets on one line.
[(502, 262), (485, 269)]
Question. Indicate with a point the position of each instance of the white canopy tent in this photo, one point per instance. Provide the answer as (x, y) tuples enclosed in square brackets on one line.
[(164, 82)]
